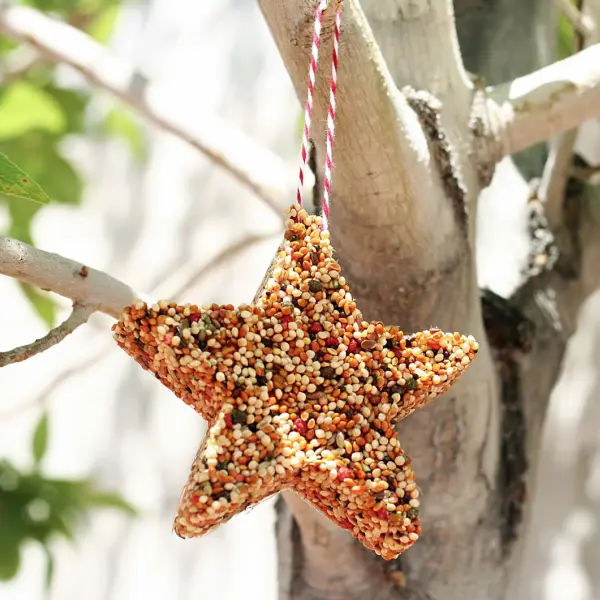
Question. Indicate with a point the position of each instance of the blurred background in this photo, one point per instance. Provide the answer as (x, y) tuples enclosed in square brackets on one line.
[(108, 445)]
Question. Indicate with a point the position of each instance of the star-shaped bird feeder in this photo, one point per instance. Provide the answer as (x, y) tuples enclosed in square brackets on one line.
[(299, 393)]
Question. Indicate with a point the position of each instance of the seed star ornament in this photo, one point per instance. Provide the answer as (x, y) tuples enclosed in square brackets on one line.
[(299, 393)]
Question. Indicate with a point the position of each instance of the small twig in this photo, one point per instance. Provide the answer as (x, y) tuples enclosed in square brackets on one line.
[(78, 316), (555, 176), (55, 383), (182, 281), (250, 163), (176, 286), (68, 278)]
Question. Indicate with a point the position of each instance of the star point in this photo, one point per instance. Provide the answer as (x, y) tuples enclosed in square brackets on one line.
[(300, 393)]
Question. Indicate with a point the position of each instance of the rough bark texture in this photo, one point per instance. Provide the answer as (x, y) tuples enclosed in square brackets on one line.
[(411, 263)]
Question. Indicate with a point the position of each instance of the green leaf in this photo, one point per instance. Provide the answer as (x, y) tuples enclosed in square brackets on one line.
[(43, 304), (15, 182), (40, 439), (22, 214), (39, 152), (100, 499), (33, 507), (566, 37), (104, 23), (49, 567), (7, 45), (10, 559), (61, 180), (61, 7), (72, 103), (24, 107), (120, 123), (21, 219)]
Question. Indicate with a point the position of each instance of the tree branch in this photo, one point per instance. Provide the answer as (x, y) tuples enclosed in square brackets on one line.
[(400, 28), (52, 272), (384, 174), (78, 316), (556, 170), (183, 279), (251, 164), (57, 381), (549, 101), (408, 261)]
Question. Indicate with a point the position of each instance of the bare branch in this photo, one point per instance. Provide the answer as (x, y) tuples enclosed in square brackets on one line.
[(251, 164), (57, 382), (68, 278), (78, 316), (182, 280), (557, 168), (549, 101)]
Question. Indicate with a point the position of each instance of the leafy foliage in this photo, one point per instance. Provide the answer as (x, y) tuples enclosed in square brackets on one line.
[(40, 439), (37, 115), (566, 37), (15, 182), (120, 123), (38, 508)]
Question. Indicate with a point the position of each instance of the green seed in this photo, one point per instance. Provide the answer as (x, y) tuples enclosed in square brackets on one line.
[(411, 383), (315, 286), (413, 513), (238, 417)]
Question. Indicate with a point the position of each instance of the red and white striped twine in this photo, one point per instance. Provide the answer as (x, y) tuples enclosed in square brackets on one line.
[(312, 74)]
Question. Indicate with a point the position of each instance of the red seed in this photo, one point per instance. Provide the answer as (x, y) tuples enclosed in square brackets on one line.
[(346, 524), (344, 473), (332, 342), (285, 320), (195, 499), (229, 421), (168, 338), (315, 328), (353, 346), (301, 426), (194, 317), (382, 513), (433, 344)]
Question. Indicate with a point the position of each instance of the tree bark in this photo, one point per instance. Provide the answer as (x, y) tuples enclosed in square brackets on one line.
[(410, 263)]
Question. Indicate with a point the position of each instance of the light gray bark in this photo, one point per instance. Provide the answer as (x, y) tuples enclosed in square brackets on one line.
[(410, 264)]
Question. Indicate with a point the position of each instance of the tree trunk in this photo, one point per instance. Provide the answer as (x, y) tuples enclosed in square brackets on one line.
[(411, 262)]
